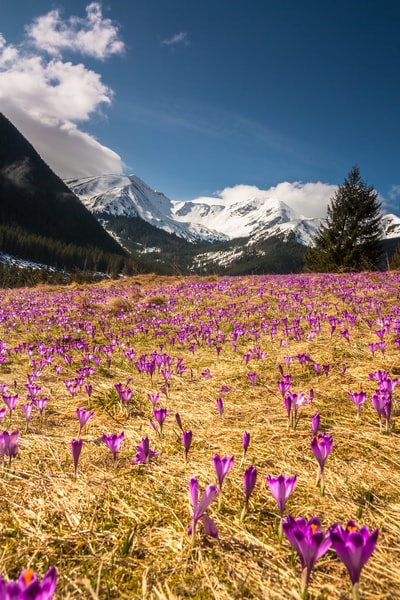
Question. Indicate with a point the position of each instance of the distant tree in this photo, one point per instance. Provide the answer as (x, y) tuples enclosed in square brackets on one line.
[(350, 238)]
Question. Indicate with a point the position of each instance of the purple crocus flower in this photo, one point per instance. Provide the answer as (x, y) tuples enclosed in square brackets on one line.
[(28, 587), (345, 334), (354, 547), (178, 421), (325, 368), (315, 423), (11, 402), (388, 384), (382, 402), (249, 482), (167, 374), (33, 390), (114, 442), (358, 399), (160, 414), (252, 377), (9, 445), (40, 404), (321, 447), (72, 386), (199, 508), (220, 406), (144, 452), (285, 384), (222, 466), (187, 441), (309, 542), (317, 368), (83, 416), (125, 394), (245, 445), (298, 400), (27, 410), (3, 412), (373, 347), (288, 402), (281, 487), (76, 447), (154, 398)]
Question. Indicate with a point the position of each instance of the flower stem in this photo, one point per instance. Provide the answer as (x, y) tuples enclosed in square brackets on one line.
[(304, 578), (356, 591), (322, 484), (280, 531)]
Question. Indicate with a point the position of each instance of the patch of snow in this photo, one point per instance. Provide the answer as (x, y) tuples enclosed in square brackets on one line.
[(13, 261)]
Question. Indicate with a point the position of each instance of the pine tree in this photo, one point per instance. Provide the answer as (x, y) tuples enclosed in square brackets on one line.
[(350, 239)]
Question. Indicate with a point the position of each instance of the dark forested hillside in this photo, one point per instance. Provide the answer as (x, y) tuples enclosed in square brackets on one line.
[(35, 199), (42, 220)]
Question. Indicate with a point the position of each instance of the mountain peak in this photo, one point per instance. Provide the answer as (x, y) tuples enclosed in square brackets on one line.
[(206, 220)]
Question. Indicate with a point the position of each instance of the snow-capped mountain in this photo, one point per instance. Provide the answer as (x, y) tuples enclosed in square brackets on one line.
[(257, 234), (391, 226), (211, 220)]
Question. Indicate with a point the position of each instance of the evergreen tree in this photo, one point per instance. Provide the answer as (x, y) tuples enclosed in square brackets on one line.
[(350, 239)]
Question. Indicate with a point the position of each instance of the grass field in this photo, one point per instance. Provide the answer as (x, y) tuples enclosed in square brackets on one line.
[(120, 530)]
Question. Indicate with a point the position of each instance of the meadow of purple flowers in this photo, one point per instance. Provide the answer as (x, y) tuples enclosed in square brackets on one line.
[(201, 437)]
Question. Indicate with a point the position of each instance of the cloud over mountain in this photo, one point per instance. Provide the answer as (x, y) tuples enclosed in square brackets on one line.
[(308, 199), (48, 97)]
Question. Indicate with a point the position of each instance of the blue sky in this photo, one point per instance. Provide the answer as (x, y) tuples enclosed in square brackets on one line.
[(198, 97)]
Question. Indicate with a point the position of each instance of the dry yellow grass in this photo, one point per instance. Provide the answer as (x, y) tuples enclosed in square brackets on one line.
[(122, 532)]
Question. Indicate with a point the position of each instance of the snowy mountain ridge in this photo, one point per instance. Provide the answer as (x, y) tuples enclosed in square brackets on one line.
[(128, 196), (255, 219), (259, 230)]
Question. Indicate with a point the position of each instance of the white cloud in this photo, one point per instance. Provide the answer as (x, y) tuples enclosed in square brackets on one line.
[(93, 36), (308, 199), (178, 38), (47, 98), (69, 151)]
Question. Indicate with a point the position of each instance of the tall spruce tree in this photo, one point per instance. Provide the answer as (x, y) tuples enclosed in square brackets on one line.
[(350, 238)]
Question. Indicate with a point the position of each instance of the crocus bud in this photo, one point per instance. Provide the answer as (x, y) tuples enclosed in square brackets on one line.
[(315, 422), (187, 441), (76, 447)]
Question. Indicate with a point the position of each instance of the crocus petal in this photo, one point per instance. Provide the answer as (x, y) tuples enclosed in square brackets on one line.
[(194, 492), (206, 499), (49, 583), (209, 526), (245, 440)]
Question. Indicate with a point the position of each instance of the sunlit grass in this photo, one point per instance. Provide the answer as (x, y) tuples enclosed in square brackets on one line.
[(121, 532)]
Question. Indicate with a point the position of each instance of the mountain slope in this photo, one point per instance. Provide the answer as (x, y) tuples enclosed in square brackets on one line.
[(128, 196), (35, 199)]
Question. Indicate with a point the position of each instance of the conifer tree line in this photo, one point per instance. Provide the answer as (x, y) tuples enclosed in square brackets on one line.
[(16, 241), (351, 237)]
